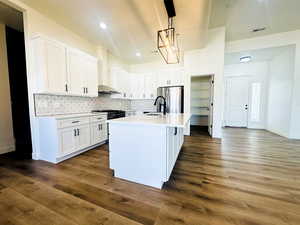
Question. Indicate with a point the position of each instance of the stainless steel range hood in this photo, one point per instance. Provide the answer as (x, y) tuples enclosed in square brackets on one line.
[(103, 89)]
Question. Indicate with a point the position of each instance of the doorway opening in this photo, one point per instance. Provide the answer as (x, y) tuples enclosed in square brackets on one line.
[(202, 89), (14, 111), (259, 93)]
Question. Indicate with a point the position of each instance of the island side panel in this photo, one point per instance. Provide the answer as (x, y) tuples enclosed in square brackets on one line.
[(138, 153)]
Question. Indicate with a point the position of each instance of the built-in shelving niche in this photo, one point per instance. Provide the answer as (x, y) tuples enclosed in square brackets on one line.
[(200, 100)]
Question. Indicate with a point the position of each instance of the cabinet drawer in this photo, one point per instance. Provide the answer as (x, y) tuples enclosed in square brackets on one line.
[(72, 122), (99, 118)]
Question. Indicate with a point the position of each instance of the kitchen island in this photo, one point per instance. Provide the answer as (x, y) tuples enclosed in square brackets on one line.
[(144, 148)]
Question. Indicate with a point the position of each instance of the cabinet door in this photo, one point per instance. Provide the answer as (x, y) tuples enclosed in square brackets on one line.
[(50, 66), (126, 85), (91, 76), (138, 85), (76, 77), (56, 68), (164, 78), (98, 133), (177, 77), (67, 141), (150, 86), (83, 138)]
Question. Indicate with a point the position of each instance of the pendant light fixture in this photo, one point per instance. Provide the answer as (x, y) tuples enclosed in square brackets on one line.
[(167, 43)]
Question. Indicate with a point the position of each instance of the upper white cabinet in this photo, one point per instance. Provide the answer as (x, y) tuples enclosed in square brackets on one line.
[(50, 63), (173, 77), (150, 85), (63, 70), (83, 74)]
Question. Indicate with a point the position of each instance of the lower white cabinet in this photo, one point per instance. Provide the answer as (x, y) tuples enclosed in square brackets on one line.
[(174, 143), (98, 132), (63, 137)]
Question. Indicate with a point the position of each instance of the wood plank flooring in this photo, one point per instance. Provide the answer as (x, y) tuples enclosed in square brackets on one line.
[(251, 177)]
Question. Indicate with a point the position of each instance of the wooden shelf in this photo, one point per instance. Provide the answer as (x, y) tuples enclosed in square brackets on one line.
[(199, 114)]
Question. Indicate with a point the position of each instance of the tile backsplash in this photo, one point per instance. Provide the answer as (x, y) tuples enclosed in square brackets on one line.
[(143, 105), (46, 105)]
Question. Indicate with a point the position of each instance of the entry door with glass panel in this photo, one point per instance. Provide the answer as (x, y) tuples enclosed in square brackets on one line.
[(237, 97)]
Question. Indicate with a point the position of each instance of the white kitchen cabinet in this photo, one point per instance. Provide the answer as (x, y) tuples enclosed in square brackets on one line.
[(143, 152), (63, 137), (150, 85), (98, 132), (50, 64), (171, 77), (83, 74), (62, 70), (83, 137), (174, 143), (77, 80), (91, 71), (67, 141), (134, 85), (139, 86)]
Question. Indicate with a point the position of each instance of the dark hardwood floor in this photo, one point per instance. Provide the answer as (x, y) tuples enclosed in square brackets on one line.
[(249, 178)]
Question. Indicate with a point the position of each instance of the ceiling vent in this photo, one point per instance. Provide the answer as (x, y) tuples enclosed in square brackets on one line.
[(259, 29)]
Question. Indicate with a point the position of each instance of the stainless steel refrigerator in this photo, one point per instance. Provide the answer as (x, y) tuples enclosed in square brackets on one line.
[(174, 99)]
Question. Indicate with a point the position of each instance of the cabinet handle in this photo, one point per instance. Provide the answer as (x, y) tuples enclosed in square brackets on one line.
[(83, 90), (87, 90), (66, 87), (78, 133), (101, 126), (175, 131), (100, 118), (75, 121), (98, 126), (74, 132)]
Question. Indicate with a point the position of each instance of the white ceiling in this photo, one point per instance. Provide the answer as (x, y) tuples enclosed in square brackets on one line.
[(241, 16), (132, 25), (11, 17), (258, 55)]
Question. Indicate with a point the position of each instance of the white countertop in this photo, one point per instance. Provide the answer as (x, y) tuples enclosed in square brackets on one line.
[(168, 120), (74, 115)]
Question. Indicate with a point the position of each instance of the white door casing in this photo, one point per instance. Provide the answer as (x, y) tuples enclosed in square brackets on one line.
[(211, 107), (237, 98)]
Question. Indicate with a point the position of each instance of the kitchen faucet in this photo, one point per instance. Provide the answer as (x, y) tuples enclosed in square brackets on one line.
[(164, 104)]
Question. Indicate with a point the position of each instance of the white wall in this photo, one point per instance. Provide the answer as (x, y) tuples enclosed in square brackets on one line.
[(257, 72), (36, 23), (7, 142), (276, 40), (281, 78), (209, 61)]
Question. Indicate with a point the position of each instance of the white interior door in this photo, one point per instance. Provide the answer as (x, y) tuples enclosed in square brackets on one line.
[(211, 107), (237, 96)]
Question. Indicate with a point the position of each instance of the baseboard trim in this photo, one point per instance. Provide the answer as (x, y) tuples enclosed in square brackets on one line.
[(7, 149)]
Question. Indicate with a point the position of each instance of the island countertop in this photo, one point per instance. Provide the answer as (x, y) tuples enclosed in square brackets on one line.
[(168, 120)]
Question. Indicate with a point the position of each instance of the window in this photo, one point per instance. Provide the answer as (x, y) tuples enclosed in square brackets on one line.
[(255, 102)]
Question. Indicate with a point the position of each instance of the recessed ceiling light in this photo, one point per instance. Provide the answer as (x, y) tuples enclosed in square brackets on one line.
[(103, 25), (245, 59), (138, 54)]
